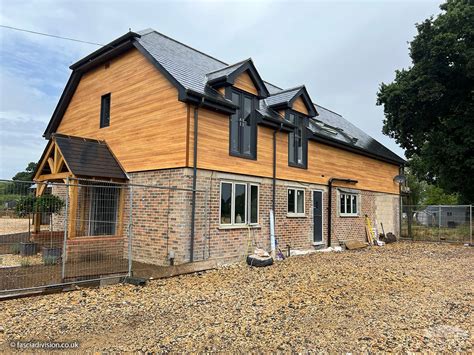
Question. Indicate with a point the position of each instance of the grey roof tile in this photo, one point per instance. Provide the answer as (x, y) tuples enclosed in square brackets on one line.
[(191, 68), (89, 158)]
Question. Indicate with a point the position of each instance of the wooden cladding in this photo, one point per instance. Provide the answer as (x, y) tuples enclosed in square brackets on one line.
[(245, 83), (324, 161), (151, 130), (299, 106), (147, 122)]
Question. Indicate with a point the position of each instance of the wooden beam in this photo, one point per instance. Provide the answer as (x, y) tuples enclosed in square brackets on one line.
[(120, 228), (40, 188), (73, 201), (45, 160), (58, 176), (51, 165)]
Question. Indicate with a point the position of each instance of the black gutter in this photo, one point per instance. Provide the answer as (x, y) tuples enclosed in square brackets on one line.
[(349, 181), (193, 206)]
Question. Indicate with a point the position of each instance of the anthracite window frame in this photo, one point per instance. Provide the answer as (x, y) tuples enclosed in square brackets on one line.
[(239, 151), (105, 110), (300, 133)]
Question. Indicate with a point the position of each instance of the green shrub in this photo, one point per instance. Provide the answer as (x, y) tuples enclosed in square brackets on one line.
[(41, 204)]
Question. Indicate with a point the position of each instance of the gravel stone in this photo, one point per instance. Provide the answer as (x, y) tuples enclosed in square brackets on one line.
[(403, 297)]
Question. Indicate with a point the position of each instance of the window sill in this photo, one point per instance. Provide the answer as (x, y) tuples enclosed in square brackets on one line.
[(299, 166), (296, 215), (243, 156), (241, 226), (348, 215), (318, 243)]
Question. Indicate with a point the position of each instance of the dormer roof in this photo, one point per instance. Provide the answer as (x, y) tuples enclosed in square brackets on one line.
[(226, 76), (286, 98)]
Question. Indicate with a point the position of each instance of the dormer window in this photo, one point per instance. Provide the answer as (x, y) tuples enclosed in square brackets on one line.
[(297, 141), (243, 128)]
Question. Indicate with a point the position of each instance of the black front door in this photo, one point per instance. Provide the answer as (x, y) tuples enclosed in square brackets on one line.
[(318, 216)]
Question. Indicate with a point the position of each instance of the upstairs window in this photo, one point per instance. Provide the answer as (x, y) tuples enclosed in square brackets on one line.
[(243, 128), (297, 143), (105, 111)]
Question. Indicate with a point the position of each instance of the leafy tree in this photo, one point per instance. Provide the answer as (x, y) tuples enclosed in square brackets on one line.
[(429, 107), (434, 195), (26, 175)]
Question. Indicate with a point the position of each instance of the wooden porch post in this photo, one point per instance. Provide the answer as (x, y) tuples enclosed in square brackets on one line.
[(40, 187), (73, 200)]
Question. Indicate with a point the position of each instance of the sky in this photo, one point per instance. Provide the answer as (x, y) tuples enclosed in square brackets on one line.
[(341, 51)]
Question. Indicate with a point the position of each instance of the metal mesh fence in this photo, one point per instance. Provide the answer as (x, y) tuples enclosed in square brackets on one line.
[(52, 234), (438, 223)]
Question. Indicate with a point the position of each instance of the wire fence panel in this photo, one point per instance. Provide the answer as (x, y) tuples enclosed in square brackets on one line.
[(58, 233), (27, 224), (438, 223)]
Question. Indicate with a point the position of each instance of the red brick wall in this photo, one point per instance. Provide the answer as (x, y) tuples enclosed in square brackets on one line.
[(162, 217)]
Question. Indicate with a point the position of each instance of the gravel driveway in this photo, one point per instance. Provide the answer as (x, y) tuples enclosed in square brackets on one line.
[(401, 297)]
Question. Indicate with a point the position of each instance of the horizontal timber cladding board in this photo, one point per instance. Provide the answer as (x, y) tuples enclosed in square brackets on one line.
[(324, 161), (147, 122), (245, 83), (299, 106)]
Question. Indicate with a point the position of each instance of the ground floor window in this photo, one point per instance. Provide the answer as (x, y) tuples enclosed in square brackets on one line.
[(104, 204), (239, 203), (295, 202), (348, 204)]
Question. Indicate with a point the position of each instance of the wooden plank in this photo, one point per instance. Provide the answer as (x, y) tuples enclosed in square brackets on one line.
[(324, 161), (299, 106), (244, 82), (145, 113)]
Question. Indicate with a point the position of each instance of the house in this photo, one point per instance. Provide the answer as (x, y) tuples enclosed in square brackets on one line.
[(147, 109), (442, 216)]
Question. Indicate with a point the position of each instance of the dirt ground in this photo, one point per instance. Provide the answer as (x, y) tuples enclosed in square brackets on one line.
[(402, 297)]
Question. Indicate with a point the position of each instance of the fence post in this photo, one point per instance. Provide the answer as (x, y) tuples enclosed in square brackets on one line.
[(130, 232), (439, 223), (66, 217), (470, 224)]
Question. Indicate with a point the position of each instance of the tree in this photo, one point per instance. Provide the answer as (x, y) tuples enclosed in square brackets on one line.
[(26, 175), (429, 107)]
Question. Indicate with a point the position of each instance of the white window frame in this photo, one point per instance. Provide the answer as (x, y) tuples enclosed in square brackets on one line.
[(296, 213), (249, 204), (351, 213), (246, 220)]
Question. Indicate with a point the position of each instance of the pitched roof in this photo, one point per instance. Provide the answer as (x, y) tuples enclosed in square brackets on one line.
[(90, 158), (286, 98), (227, 76), (189, 69)]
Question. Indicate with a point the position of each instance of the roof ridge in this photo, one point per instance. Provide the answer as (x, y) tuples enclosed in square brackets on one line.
[(229, 66), (329, 110), (187, 46), (286, 90), (267, 82)]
